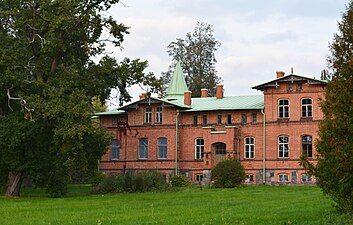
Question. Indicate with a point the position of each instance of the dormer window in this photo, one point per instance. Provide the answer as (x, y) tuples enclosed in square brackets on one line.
[(148, 115)]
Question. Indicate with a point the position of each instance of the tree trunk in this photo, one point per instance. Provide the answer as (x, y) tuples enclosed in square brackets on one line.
[(13, 185)]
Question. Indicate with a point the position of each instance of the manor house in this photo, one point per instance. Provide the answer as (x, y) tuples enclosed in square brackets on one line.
[(179, 134)]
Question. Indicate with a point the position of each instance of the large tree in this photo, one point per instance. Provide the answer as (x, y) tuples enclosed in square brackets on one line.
[(196, 54), (48, 77), (334, 169)]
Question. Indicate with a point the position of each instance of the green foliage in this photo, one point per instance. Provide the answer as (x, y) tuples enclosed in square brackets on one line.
[(334, 146), (180, 181), (49, 75), (253, 205), (196, 54), (132, 182), (228, 174), (97, 178)]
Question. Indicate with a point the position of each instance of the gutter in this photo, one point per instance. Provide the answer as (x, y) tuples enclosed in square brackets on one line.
[(264, 148), (176, 142)]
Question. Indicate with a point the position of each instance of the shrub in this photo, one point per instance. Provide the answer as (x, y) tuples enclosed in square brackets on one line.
[(132, 182), (97, 178), (180, 181), (228, 174)]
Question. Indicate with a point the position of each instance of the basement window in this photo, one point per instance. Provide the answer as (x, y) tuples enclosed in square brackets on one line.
[(249, 178), (199, 177), (282, 178)]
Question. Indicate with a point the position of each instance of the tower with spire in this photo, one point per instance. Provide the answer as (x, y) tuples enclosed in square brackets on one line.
[(177, 86)]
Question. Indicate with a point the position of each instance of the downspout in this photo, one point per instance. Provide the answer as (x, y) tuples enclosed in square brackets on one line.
[(264, 148), (176, 142)]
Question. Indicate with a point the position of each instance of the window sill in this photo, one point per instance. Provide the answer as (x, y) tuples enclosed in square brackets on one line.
[(114, 159), (199, 160), (283, 120), (306, 118), (249, 159)]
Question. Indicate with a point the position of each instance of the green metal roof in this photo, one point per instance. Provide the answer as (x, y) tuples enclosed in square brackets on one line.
[(110, 112), (225, 103), (177, 86)]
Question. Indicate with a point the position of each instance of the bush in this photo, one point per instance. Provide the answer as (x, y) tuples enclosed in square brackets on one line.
[(180, 181), (132, 182), (228, 174), (97, 178)]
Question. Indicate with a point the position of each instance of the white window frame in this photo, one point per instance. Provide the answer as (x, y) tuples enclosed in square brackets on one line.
[(199, 177), (249, 147), (115, 149), (305, 151), (162, 148), (143, 149), (199, 148), (306, 108), (308, 178), (283, 178), (285, 108), (283, 145), (148, 115), (249, 178), (159, 114)]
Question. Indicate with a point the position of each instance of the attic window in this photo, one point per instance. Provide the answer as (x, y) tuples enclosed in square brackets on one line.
[(299, 87)]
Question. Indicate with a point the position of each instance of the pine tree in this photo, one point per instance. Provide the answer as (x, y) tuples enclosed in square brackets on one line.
[(334, 169)]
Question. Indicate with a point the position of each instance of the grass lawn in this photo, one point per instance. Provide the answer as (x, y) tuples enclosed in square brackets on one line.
[(248, 205)]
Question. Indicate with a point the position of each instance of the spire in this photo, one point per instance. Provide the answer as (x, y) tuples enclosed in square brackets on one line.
[(177, 85)]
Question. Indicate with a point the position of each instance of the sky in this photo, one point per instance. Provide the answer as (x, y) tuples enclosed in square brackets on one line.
[(257, 37)]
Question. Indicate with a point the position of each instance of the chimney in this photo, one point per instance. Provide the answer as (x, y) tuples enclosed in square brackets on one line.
[(279, 74), (187, 97), (219, 91), (204, 93), (142, 96)]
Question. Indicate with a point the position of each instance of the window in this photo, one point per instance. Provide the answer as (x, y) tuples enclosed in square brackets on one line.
[(199, 177), (159, 115), (143, 148), (306, 178), (249, 147), (204, 119), (283, 146), (307, 146), (254, 118), (243, 118), (148, 115), (283, 108), (194, 120), (283, 178), (115, 149), (299, 87), (307, 107), (199, 147), (249, 178), (162, 148), (114, 121), (219, 119), (220, 149), (290, 87), (229, 119)]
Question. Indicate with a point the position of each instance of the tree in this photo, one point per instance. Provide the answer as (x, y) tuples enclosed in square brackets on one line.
[(48, 77), (196, 54), (228, 174), (335, 144)]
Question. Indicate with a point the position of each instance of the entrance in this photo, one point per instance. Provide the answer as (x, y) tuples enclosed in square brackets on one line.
[(220, 152)]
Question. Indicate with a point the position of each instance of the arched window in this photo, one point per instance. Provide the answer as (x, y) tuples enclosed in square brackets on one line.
[(162, 148), (199, 148), (307, 146), (249, 147), (220, 148), (307, 107)]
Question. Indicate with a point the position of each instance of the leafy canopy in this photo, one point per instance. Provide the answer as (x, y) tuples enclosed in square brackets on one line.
[(196, 54), (49, 76)]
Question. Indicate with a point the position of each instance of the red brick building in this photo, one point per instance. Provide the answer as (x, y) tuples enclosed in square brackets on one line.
[(178, 134)]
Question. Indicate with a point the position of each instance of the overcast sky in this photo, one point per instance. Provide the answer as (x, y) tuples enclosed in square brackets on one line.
[(257, 37)]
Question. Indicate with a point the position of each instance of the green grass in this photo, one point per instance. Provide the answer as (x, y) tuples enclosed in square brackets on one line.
[(248, 205)]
